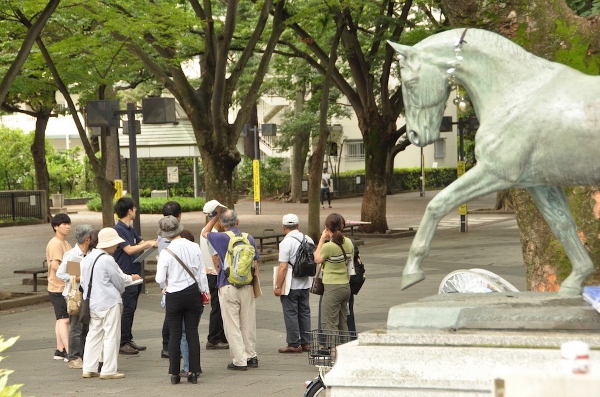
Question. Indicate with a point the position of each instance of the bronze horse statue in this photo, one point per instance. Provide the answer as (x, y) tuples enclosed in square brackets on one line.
[(539, 130)]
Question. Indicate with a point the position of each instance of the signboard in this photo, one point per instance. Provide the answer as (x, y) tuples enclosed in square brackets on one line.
[(172, 174), (256, 179), (118, 188)]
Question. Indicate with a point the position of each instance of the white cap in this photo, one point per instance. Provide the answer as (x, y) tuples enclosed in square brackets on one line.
[(108, 237), (290, 220), (211, 206)]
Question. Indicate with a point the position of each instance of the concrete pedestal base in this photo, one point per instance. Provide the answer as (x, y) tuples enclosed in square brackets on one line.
[(422, 360)]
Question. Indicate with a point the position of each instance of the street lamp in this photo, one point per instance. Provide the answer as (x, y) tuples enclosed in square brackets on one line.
[(106, 113)]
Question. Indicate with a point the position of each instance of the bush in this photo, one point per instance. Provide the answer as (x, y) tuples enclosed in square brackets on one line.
[(154, 205), (7, 390)]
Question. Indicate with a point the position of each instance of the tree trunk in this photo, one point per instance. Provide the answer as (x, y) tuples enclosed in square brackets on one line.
[(38, 151), (575, 42), (299, 151), (378, 135), (503, 201)]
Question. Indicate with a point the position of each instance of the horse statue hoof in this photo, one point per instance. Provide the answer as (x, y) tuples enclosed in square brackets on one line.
[(412, 279)]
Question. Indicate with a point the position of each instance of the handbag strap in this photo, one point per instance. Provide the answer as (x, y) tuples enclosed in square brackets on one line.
[(343, 252), (187, 269), (92, 276)]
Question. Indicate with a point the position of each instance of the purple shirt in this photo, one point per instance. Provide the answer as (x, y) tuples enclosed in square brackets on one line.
[(220, 242)]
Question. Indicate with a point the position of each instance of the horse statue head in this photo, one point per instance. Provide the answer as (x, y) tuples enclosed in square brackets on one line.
[(425, 91)]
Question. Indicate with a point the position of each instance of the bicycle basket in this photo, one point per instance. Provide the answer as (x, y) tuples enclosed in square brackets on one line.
[(323, 343)]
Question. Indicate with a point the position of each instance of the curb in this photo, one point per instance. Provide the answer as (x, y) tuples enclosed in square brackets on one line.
[(24, 301)]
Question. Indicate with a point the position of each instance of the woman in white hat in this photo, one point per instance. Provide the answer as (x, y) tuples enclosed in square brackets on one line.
[(103, 281), (181, 268)]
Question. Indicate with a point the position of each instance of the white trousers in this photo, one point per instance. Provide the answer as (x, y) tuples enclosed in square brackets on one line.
[(238, 310), (103, 340)]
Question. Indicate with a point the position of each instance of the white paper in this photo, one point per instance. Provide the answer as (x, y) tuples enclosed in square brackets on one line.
[(136, 282), (287, 282)]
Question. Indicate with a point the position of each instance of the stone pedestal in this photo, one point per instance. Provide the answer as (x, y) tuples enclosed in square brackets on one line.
[(457, 344)]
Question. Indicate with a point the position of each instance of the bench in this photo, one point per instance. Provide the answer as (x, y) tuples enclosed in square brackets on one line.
[(34, 271), (354, 224), (268, 234)]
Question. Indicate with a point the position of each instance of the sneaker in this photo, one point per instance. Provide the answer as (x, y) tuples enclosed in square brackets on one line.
[(60, 355), (252, 362), (76, 364), (305, 347), (90, 375), (291, 349), (128, 349), (118, 375), (136, 346), (237, 367), (214, 346), (164, 354)]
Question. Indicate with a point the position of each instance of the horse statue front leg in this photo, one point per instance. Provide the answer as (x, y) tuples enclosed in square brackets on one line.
[(475, 183), (553, 205)]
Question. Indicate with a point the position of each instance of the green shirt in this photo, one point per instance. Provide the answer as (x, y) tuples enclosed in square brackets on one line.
[(334, 264)]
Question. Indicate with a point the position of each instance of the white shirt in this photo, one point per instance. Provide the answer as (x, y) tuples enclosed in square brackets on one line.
[(287, 253), (74, 254), (207, 253), (327, 178), (108, 283), (170, 272)]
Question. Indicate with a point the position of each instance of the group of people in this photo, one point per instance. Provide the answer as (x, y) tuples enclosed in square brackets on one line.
[(191, 275), (334, 253)]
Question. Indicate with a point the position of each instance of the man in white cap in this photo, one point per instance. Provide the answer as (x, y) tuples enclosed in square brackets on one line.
[(295, 302), (104, 282)]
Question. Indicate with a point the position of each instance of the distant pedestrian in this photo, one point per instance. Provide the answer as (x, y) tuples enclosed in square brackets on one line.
[(55, 250), (295, 302), (325, 188)]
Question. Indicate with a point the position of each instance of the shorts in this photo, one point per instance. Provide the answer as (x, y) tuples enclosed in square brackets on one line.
[(60, 305)]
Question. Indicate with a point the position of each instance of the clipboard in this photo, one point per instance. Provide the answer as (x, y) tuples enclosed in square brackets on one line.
[(74, 268), (144, 255)]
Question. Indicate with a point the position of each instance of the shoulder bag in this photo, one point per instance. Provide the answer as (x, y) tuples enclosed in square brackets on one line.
[(205, 299), (317, 286), (84, 311)]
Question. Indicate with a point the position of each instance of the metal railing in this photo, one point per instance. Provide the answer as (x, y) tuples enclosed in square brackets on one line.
[(23, 207)]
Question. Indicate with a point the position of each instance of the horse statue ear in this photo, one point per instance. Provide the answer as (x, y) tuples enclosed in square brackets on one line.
[(404, 50)]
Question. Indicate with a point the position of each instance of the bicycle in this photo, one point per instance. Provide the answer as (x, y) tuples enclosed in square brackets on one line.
[(322, 354)]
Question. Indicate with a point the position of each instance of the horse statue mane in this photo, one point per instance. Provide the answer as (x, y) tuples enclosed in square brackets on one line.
[(539, 130)]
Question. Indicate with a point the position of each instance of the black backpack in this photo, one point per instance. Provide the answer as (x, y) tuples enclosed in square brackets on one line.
[(305, 265)]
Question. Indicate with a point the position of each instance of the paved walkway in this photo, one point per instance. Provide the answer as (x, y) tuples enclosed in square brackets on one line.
[(492, 243)]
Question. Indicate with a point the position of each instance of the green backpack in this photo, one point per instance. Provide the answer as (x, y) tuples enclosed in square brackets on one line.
[(239, 260)]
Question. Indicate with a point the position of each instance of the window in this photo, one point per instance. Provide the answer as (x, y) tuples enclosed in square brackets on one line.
[(355, 151), (439, 148)]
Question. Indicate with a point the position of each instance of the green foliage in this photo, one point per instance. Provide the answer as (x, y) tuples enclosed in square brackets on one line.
[(585, 8), (16, 164), (66, 170), (154, 205), (410, 178), (7, 390), (273, 179)]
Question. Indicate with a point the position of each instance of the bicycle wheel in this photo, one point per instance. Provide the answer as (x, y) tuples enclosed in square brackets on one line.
[(316, 388)]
